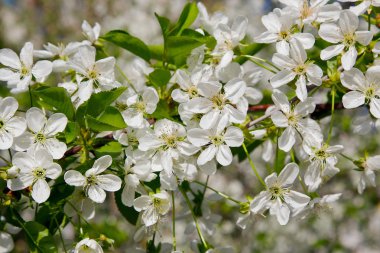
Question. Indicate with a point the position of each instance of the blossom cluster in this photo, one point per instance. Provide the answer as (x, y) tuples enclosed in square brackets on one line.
[(151, 131)]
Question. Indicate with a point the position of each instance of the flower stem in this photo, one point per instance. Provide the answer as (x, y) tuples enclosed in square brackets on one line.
[(253, 166), (194, 218), (332, 114), (262, 65), (347, 157), (263, 60), (30, 96), (219, 193), (60, 235), (173, 223)]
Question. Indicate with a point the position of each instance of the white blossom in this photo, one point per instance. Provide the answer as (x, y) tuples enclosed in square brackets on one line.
[(43, 133), (295, 121), (88, 245), (322, 164), (345, 36), (94, 182), (33, 170), (139, 105), (152, 207), (364, 89), (278, 198), (10, 125), (92, 76), (19, 71), (217, 142), (217, 100), (280, 30), (363, 6), (168, 140), (296, 67), (368, 168)]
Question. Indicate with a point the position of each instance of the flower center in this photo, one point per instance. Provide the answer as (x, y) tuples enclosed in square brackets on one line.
[(370, 92), (170, 141), (306, 11), (92, 74), (1, 124), (349, 39), (40, 138), (217, 140), (300, 69), (193, 92), (292, 119), (140, 106), (91, 180), (284, 35), (277, 192), (132, 140), (24, 71), (219, 101), (39, 173)]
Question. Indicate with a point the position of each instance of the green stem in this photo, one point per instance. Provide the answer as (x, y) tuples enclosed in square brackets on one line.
[(36, 210), (21, 223), (261, 65), (253, 166), (5, 160), (60, 235), (30, 96), (332, 114), (263, 60), (369, 19), (10, 154), (194, 218), (173, 223), (219, 193), (347, 157)]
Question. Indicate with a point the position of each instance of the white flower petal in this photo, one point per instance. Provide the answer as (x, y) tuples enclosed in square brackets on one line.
[(207, 155), (349, 58), (96, 194), (109, 182), (74, 178), (353, 99), (142, 203), (42, 69), (288, 174), (233, 136), (56, 124), (35, 119), (331, 51), (287, 139), (224, 155), (102, 163), (10, 59), (40, 191)]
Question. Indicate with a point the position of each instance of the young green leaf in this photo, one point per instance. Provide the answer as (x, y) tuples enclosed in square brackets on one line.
[(56, 99), (132, 44)]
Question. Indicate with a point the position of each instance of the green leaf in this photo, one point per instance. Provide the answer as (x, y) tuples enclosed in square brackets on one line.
[(97, 103), (160, 77), (56, 99), (129, 213), (39, 239), (280, 160), (128, 42), (179, 48), (109, 120), (164, 24), (162, 111), (72, 131), (188, 16), (112, 148)]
